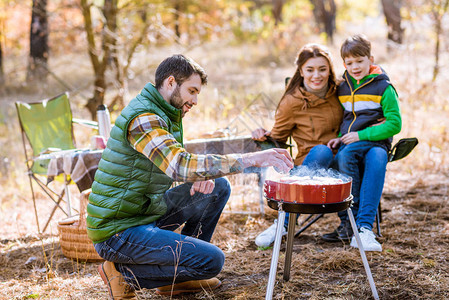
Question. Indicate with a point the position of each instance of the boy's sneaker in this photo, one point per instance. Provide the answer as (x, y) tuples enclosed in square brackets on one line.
[(368, 239), (267, 237)]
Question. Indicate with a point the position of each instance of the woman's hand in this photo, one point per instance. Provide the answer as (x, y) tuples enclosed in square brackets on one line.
[(260, 134), (350, 137), (204, 187), (334, 143)]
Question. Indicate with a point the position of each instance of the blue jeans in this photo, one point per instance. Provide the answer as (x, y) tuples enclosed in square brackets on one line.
[(318, 157), (366, 163), (152, 255)]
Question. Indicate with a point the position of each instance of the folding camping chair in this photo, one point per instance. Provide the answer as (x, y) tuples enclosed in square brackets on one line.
[(46, 126)]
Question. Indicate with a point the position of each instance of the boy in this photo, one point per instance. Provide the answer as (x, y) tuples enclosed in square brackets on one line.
[(371, 118)]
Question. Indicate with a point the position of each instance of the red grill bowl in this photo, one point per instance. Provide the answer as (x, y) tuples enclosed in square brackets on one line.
[(307, 193)]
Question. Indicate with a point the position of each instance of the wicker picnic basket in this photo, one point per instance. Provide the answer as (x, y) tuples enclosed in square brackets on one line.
[(73, 237)]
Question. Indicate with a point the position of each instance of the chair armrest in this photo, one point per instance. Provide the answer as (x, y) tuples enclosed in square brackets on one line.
[(87, 123), (272, 143), (402, 148)]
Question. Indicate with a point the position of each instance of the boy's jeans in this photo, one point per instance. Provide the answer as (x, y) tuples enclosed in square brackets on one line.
[(319, 157), (153, 255), (366, 163)]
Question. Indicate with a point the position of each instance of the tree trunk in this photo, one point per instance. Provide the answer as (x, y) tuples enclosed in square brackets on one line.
[(98, 97), (37, 65), (439, 10), (123, 62), (2, 75), (392, 12), (177, 12), (436, 67), (109, 41), (277, 11), (100, 57), (325, 12)]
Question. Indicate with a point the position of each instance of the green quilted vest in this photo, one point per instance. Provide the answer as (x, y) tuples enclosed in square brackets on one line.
[(128, 188)]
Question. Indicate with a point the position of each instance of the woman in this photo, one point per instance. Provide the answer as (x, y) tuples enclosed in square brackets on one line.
[(310, 112)]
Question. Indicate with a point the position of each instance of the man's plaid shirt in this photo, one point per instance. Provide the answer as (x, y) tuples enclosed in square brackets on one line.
[(148, 133)]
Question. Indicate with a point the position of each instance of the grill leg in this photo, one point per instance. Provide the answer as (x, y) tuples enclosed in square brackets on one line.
[(275, 256), (288, 250), (362, 254)]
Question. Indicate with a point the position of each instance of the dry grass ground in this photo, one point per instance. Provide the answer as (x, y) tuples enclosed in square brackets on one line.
[(414, 260), (413, 264)]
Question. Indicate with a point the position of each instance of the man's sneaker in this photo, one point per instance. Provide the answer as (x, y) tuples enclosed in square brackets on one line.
[(117, 286), (342, 234), (267, 237), (192, 286), (368, 239)]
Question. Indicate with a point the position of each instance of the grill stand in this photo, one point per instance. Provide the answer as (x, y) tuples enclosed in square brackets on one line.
[(289, 248), (276, 250), (362, 254)]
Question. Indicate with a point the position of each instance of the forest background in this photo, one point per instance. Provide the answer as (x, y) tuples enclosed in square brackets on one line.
[(104, 51)]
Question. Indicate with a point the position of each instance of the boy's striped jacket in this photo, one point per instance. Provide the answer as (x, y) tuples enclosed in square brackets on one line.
[(367, 103)]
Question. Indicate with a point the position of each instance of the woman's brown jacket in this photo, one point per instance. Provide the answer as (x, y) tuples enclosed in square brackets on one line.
[(310, 120)]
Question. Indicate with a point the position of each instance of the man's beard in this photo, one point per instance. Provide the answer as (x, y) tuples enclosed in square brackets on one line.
[(176, 100)]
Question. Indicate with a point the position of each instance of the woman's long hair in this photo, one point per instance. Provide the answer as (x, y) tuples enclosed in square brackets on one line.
[(307, 52)]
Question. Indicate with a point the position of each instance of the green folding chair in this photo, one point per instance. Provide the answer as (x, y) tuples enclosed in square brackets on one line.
[(46, 126)]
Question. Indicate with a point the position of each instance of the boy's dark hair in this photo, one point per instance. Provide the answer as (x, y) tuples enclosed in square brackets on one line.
[(181, 68), (357, 46)]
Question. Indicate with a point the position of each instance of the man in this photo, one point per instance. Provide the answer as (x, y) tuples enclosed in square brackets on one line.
[(132, 211)]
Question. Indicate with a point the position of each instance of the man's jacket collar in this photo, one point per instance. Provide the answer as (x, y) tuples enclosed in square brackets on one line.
[(150, 92)]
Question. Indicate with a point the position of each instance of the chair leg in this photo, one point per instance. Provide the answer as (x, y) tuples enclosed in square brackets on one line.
[(362, 254), (378, 220), (308, 224), (53, 211), (57, 202), (379, 211), (275, 255), (34, 203), (46, 191), (307, 219)]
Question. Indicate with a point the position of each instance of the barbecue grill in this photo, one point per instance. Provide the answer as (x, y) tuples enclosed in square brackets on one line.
[(304, 195)]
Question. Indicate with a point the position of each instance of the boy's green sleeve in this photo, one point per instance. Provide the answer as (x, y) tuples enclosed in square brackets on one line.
[(393, 122)]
